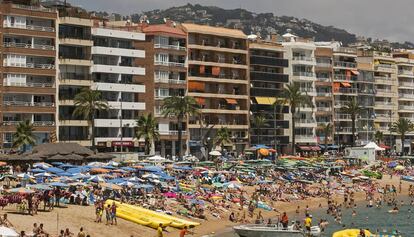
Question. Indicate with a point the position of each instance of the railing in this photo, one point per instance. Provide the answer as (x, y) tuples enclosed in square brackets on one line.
[(28, 103), (323, 109), (341, 103), (30, 27), (408, 107), (171, 132), (384, 104), (322, 64), (169, 64), (410, 96), (304, 74), (388, 66), (28, 46), (367, 91), (387, 80), (345, 64), (170, 81), (343, 116), (347, 90), (32, 8), (388, 92), (35, 123), (406, 72), (306, 121), (169, 46), (345, 50), (31, 65), (29, 84), (346, 129), (406, 83), (220, 76), (302, 58), (303, 137), (344, 78), (323, 78)]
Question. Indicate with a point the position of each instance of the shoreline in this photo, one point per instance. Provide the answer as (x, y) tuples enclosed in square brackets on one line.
[(218, 227)]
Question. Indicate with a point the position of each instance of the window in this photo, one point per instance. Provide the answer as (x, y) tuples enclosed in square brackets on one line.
[(15, 60), (162, 92), (161, 75), (161, 40), (161, 57)]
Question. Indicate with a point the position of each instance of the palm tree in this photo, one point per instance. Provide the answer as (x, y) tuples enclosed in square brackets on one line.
[(223, 136), (379, 136), (87, 103), (180, 107), (292, 96), (402, 127), (24, 135), (147, 128), (327, 130), (259, 121), (353, 109)]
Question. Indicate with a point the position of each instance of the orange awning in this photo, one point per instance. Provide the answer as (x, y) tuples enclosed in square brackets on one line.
[(196, 86), (202, 69), (336, 86), (346, 84), (201, 101), (355, 72), (215, 71), (231, 101)]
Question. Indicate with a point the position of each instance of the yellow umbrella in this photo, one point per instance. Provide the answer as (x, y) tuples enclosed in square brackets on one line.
[(263, 152), (399, 167)]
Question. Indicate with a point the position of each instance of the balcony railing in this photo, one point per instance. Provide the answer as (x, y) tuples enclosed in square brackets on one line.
[(385, 104), (347, 90), (30, 27), (321, 93), (170, 81), (406, 83), (323, 78), (28, 46), (406, 72), (409, 96), (323, 64), (171, 132), (406, 107), (344, 78), (28, 103), (345, 64), (345, 50), (343, 116), (29, 84), (346, 129), (324, 109), (31, 65), (388, 66), (302, 58), (35, 123), (32, 8), (304, 74), (169, 46), (306, 121), (169, 64), (303, 137), (388, 92)]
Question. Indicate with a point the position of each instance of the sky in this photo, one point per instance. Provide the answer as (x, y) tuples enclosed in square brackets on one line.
[(384, 19)]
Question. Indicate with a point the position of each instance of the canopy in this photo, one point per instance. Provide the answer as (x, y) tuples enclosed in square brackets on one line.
[(8, 232), (157, 158), (215, 153), (264, 152), (375, 146), (385, 146)]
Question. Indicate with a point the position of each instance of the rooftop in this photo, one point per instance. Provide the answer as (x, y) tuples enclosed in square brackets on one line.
[(163, 28), (211, 30)]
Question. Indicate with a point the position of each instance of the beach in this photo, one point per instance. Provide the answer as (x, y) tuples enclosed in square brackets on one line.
[(74, 217)]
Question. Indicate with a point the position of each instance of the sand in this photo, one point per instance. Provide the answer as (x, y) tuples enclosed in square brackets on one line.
[(74, 217)]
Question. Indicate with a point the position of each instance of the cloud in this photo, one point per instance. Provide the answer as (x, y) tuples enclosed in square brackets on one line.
[(373, 18)]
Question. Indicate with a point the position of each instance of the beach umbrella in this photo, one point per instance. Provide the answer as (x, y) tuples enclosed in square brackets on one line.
[(215, 153), (392, 164), (96, 164), (151, 169), (135, 179), (57, 163), (111, 186), (58, 184), (37, 170), (96, 179), (64, 179), (42, 165), (156, 158), (399, 167), (77, 184), (77, 170), (129, 168), (20, 190), (43, 175), (24, 176), (40, 187), (233, 185), (67, 166), (113, 163), (150, 176), (54, 170), (80, 176), (8, 232), (127, 183)]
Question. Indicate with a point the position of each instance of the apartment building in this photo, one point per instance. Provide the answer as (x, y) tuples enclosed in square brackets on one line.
[(166, 76), (267, 79), (117, 72), (28, 70), (301, 56), (405, 83), (323, 86), (75, 61), (218, 77), (345, 88)]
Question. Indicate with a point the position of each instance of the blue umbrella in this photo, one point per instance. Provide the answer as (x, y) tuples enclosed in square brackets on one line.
[(80, 176), (151, 169), (40, 187), (182, 168), (58, 184), (392, 164), (116, 181), (37, 170), (57, 163), (66, 166), (109, 167), (65, 174), (128, 168), (77, 170), (54, 170)]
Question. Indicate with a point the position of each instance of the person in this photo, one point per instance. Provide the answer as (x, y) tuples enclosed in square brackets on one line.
[(62, 233), (285, 220), (232, 218), (113, 212), (22, 234), (6, 221), (108, 214), (361, 233), (185, 231), (35, 229), (81, 233), (68, 233), (159, 231), (308, 224)]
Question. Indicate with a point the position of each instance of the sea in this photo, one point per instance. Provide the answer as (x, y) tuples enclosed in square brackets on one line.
[(377, 220)]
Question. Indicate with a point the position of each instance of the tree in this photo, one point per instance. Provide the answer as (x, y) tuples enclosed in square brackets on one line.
[(379, 136), (353, 109), (259, 121), (223, 136), (24, 135), (402, 127), (327, 130), (292, 96), (147, 128), (87, 103), (180, 107)]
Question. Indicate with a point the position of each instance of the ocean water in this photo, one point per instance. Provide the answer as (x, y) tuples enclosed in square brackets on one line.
[(374, 219)]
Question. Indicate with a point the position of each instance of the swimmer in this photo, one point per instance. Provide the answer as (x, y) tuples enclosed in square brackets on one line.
[(354, 213)]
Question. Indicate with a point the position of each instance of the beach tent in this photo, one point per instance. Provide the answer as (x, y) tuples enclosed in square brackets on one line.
[(8, 232), (375, 146)]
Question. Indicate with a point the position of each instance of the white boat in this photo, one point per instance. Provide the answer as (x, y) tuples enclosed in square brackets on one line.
[(272, 231)]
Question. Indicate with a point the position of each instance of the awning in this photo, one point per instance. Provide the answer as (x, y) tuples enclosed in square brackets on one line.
[(197, 86), (263, 100), (263, 152), (201, 101), (315, 148), (231, 101), (346, 84), (272, 100), (355, 72), (304, 148), (384, 146)]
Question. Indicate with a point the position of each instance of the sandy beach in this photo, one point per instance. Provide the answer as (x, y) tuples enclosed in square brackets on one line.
[(74, 217)]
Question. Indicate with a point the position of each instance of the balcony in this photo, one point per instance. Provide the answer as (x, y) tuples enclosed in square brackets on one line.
[(118, 69), (344, 78), (304, 76), (170, 81), (384, 80), (305, 123), (406, 84), (133, 53), (171, 132), (115, 123), (406, 107), (30, 27), (406, 96), (268, 61), (32, 8), (169, 64), (405, 73), (384, 105), (127, 105), (303, 58), (30, 65), (323, 79), (324, 109), (325, 94), (28, 46), (305, 138), (122, 34), (133, 88), (346, 50), (28, 104), (78, 21), (35, 123), (346, 130), (219, 63), (323, 64), (344, 117), (385, 67), (346, 91), (269, 76), (386, 93), (345, 64), (169, 46), (29, 84)]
